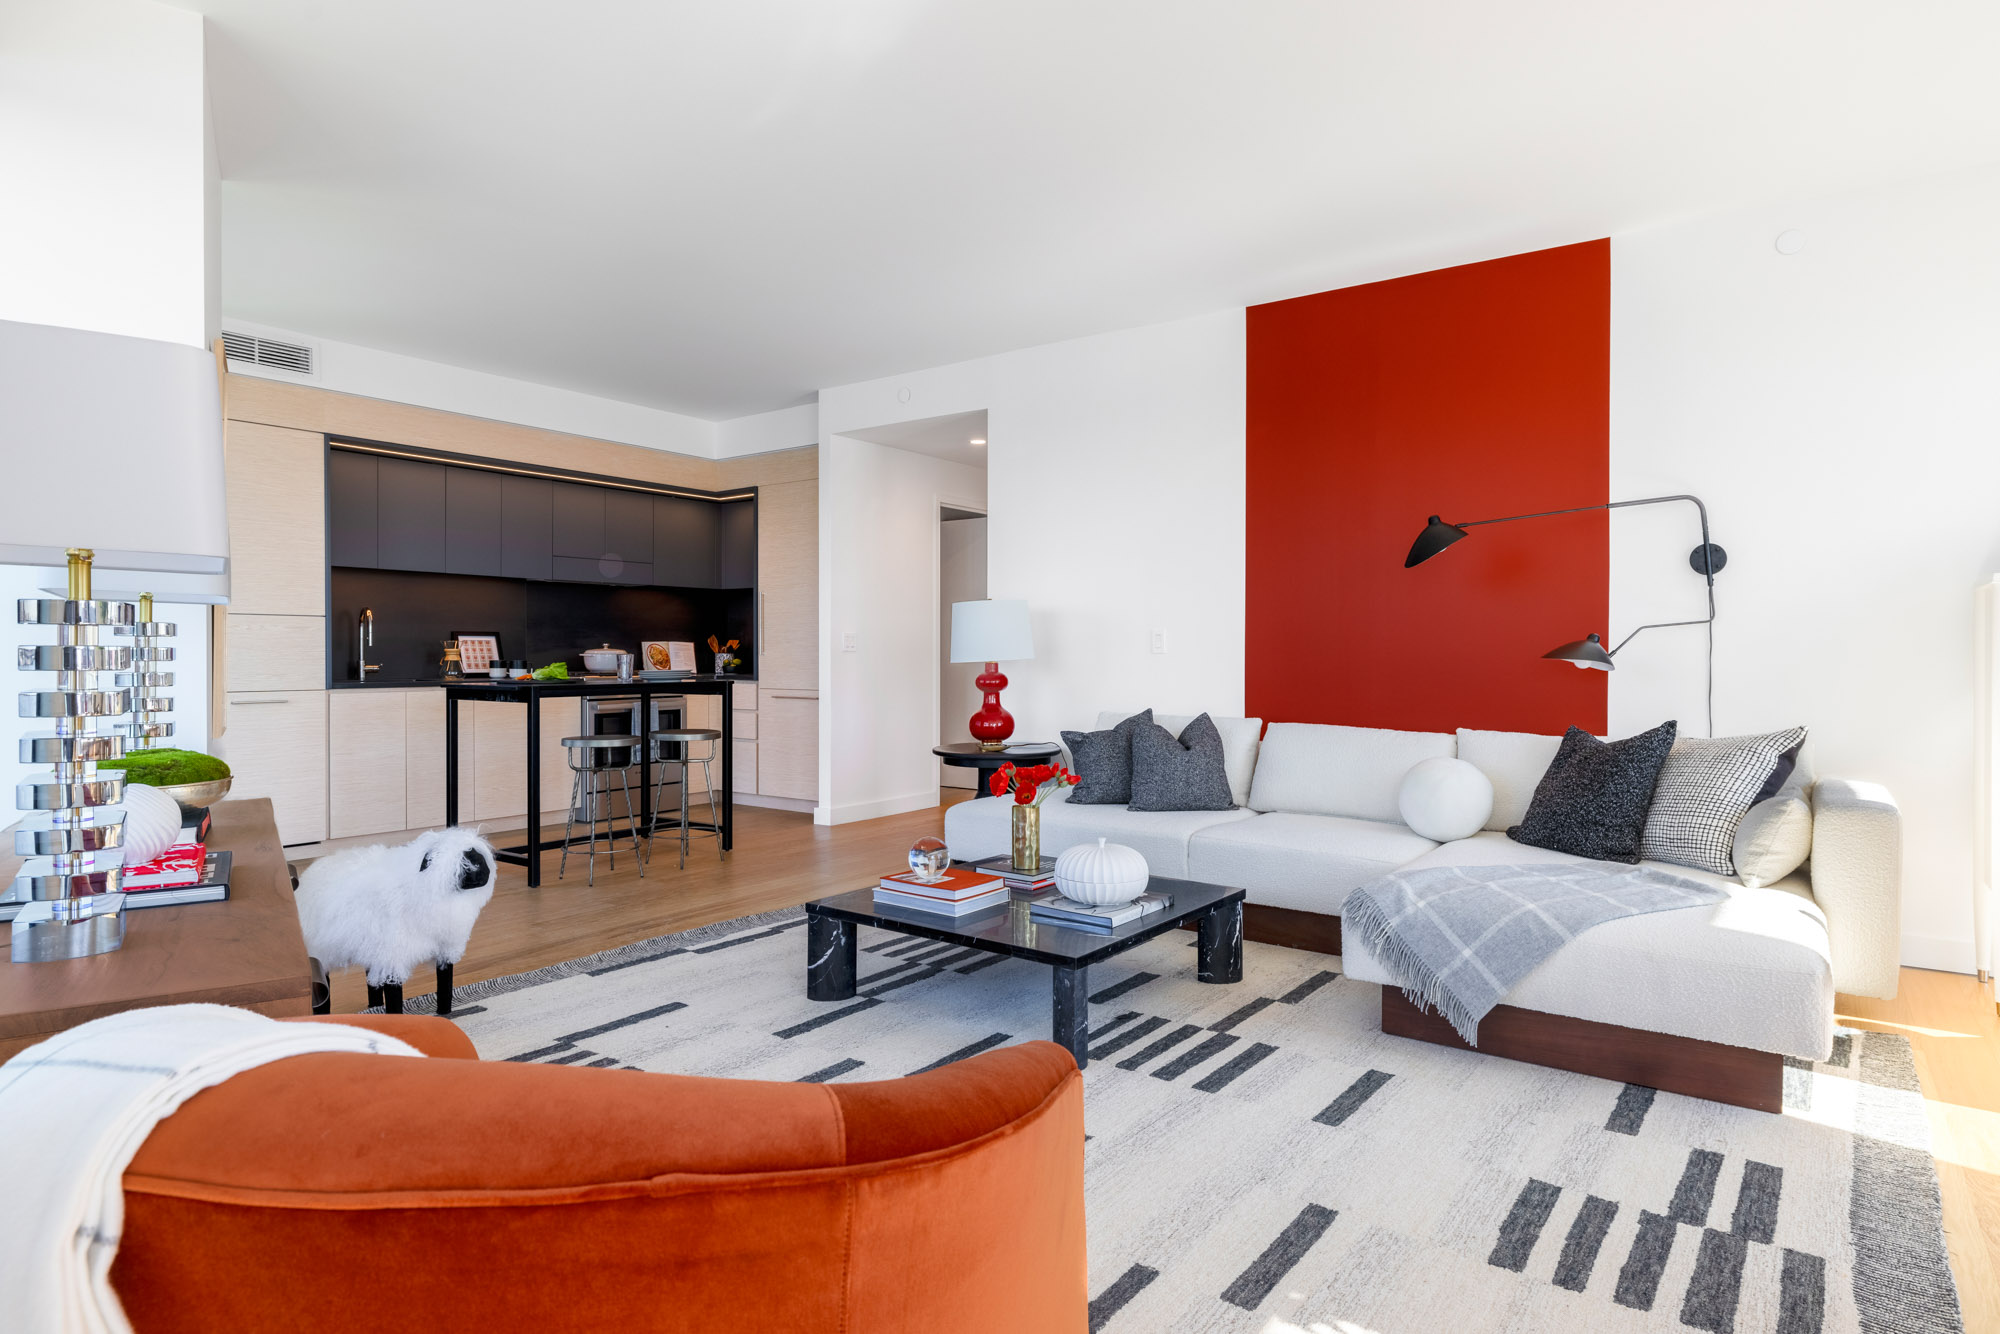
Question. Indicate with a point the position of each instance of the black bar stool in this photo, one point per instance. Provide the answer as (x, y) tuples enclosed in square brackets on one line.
[(673, 748), (589, 758)]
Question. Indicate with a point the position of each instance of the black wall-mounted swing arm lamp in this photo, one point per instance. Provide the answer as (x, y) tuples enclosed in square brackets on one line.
[(1589, 652)]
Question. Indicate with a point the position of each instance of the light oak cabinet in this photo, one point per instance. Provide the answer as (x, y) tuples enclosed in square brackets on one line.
[(788, 586), (277, 652), (788, 744), (491, 738), (275, 745), (277, 521), (423, 759), (367, 775)]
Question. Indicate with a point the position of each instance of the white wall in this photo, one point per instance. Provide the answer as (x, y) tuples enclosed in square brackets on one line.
[(763, 432), (961, 578), (879, 585), (1115, 490), (106, 170), (102, 165), (349, 368), (1839, 410)]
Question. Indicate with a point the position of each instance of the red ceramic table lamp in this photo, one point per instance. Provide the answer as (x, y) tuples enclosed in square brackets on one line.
[(992, 631)]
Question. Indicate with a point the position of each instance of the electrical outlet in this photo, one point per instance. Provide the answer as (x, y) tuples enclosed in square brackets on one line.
[(849, 642), (1159, 641)]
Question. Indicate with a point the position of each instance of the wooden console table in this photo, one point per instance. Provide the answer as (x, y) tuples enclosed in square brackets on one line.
[(244, 951)]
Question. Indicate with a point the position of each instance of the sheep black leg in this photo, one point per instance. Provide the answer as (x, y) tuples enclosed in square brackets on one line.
[(444, 988), (374, 996), (392, 998)]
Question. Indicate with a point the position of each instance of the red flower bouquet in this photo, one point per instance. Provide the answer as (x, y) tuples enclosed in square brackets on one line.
[(1030, 785)]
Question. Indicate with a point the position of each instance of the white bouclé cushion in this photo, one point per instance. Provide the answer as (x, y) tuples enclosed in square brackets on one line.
[(1445, 799), (1239, 743), (1774, 838), (1515, 763), (1323, 769)]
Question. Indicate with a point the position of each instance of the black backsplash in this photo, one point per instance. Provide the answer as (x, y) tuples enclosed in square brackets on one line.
[(541, 622)]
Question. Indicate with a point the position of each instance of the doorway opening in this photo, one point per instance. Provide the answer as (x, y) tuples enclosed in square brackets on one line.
[(961, 578)]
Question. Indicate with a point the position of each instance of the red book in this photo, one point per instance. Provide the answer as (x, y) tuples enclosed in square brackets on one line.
[(956, 884), (180, 864)]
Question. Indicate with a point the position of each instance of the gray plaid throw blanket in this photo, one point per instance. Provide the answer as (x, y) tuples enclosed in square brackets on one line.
[(1458, 938)]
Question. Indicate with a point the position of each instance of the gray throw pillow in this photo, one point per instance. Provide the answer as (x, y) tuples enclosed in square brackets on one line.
[(1592, 802), (1705, 787), (1103, 760), (1179, 774), (1774, 838)]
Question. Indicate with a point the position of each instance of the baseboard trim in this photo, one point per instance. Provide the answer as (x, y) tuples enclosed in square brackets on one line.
[(776, 803), (875, 810), (1712, 1070), (1944, 954)]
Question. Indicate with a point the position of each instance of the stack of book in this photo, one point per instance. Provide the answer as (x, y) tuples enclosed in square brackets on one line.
[(187, 872), (1059, 911), (960, 892), (1030, 881)]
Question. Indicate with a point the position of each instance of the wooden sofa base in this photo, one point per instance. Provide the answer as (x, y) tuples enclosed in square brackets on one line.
[(1289, 927), (1735, 1075)]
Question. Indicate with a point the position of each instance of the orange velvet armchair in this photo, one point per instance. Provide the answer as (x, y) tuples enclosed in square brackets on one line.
[(344, 1191)]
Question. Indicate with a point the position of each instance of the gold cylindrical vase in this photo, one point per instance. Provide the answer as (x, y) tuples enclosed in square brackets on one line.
[(1027, 837)]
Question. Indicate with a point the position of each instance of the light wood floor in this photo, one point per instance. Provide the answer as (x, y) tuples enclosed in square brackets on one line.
[(782, 859)]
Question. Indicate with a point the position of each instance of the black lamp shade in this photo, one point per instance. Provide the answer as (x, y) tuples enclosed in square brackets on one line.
[(1437, 535), (1585, 652)]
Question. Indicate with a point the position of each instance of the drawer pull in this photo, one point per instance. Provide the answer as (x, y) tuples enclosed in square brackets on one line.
[(247, 703)]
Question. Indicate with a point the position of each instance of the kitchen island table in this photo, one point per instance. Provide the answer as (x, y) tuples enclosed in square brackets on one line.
[(532, 693)]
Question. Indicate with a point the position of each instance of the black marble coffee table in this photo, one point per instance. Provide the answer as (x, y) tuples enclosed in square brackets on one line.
[(831, 941)]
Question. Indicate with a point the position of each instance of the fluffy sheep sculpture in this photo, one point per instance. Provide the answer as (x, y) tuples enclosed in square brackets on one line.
[(392, 910)]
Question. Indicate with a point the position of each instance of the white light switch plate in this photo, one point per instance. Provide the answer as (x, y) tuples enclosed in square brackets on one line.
[(848, 642), (1159, 641)]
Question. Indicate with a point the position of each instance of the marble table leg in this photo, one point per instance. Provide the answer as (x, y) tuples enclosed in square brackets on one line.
[(1219, 957), (1072, 1011), (830, 957)]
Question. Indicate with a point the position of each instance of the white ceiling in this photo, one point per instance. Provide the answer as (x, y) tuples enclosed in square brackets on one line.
[(949, 437), (719, 208)]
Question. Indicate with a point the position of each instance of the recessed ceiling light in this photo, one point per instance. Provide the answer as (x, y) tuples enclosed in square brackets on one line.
[(977, 440)]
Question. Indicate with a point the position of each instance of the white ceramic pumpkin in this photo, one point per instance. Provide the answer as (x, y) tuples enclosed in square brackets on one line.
[(1102, 873), (152, 823)]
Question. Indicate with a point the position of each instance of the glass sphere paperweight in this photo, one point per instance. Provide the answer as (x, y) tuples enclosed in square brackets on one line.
[(928, 859)]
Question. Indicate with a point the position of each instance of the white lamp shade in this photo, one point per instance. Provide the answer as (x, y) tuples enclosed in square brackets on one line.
[(991, 630), (115, 444)]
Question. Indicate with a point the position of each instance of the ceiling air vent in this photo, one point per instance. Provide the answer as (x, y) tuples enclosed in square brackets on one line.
[(269, 352)]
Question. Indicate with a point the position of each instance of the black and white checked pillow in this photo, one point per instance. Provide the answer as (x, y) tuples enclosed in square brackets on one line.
[(1705, 787)]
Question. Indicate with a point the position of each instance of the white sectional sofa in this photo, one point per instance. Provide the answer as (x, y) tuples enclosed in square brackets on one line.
[(1706, 1000)]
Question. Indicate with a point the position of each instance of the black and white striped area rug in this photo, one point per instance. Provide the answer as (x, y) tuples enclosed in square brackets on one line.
[(1262, 1158)]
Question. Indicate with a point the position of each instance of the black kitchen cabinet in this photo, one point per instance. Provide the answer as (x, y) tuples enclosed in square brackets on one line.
[(736, 547), (472, 521), (603, 570), (579, 520), (350, 509), (410, 502), (628, 527), (527, 527), (685, 532), (407, 514)]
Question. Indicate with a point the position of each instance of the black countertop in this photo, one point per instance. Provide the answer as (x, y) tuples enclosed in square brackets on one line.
[(375, 683)]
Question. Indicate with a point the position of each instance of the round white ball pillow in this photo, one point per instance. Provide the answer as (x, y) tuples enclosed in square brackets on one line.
[(1445, 799), (152, 823)]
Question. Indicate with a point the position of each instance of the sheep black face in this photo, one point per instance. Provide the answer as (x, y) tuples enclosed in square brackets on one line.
[(474, 871)]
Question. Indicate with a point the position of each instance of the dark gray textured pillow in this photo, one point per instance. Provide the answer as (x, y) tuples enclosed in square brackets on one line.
[(1184, 774), (1103, 760), (1593, 800)]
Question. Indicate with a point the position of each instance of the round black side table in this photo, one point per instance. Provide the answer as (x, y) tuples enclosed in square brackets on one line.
[(968, 755)]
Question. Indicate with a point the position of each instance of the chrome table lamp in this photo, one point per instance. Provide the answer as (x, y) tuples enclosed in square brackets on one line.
[(74, 848)]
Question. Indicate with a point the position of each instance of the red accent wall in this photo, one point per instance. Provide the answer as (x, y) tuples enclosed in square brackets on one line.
[(1471, 393)]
